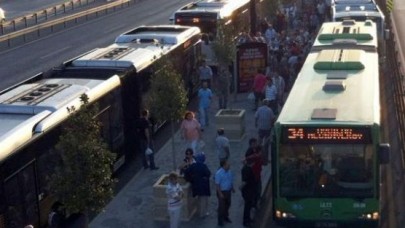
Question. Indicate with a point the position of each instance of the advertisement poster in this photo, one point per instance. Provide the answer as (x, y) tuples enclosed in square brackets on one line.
[(249, 58)]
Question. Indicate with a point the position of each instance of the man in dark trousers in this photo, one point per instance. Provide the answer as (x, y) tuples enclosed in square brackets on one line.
[(248, 189), (145, 141), (224, 188)]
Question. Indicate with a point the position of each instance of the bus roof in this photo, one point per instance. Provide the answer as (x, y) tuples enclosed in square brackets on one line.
[(224, 8), (346, 34), (164, 34), (31, 109), (127, 56), (370, 10), (337, 95)]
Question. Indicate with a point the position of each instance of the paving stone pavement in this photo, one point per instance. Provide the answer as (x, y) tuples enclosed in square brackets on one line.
[(134, 207)]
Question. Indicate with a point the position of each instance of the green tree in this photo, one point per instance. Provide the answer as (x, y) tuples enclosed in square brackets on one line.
[(224, 45), (83, 181), (168, 97)]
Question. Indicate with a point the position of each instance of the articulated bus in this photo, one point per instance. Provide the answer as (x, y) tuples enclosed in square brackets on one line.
[(327, 148), (31, 119), (132, 57), (359, 10), (32, 113), (206, 13)]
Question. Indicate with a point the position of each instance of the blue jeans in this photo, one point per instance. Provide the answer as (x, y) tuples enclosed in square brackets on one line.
[(203, 113)]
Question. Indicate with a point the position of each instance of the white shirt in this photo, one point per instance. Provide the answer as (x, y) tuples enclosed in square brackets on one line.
[(173, 192)]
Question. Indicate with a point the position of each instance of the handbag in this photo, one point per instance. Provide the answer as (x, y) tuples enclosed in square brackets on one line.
[(148, 151)]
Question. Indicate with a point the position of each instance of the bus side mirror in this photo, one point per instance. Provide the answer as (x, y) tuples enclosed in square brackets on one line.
[(384, 153), (387, 34)]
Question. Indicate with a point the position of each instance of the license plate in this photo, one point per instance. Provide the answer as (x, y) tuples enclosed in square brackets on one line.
[(326, 224)]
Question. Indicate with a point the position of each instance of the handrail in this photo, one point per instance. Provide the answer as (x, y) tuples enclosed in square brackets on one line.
[(62, 20), (47, 12)]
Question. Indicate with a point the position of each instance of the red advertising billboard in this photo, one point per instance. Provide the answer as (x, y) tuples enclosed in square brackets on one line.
[(249, 58)]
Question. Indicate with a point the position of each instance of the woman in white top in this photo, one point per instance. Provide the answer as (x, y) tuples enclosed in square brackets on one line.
[(174, 200)]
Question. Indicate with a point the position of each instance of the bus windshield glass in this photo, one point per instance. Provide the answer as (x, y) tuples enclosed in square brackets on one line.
[(326, 170), (206, 21)]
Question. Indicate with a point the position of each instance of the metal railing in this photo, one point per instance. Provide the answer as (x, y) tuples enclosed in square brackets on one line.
[(41, 16), (44, 27)]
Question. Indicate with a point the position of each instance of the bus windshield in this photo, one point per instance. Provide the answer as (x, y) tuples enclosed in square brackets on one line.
[(326, 170)]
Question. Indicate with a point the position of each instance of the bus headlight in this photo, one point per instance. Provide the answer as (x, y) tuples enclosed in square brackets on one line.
[(281, 214), (370, 216)]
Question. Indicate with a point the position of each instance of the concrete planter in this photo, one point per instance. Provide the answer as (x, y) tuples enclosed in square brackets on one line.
[(233, 122), (189, 207)]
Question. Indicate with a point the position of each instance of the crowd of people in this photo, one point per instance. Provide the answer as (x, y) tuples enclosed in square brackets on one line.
[(289, 37)]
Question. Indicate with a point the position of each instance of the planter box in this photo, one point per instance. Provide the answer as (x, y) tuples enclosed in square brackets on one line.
[(190, 203), (233, 122)]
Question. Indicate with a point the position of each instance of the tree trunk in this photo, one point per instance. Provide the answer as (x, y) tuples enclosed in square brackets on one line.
[(173, 146)]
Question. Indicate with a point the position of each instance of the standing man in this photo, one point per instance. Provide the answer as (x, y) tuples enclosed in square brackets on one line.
[(205, 73), (248, 189), (254, 153), (259, 83), (145, 141), (270, 93), (224, 189), (279, 82), (264, 119), (204, 102), (222, 145)]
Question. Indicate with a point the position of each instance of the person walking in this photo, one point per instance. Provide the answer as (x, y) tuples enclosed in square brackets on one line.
[(205, 73), (190, 130), (224, 189), (222, 145), (248, 189), (174, 193), (56, 218), (204, 102), (199, 176), (145, 141)]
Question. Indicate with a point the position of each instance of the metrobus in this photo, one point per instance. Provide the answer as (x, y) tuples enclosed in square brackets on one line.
[(132, 57), (32, 116), (33, 112), (182, 43), (347, 34), (359, 10), (206, 13), (327, 144)]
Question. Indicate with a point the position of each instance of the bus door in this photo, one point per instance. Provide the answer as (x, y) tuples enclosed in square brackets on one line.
[(21, 198)]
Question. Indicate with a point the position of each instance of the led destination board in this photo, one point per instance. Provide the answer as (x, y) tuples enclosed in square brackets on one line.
[(326, 134)]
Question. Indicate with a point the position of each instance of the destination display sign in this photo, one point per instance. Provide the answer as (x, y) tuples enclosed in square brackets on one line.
[(310, 135)]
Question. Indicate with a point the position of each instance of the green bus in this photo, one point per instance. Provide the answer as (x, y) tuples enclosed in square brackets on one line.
[(327, 150)]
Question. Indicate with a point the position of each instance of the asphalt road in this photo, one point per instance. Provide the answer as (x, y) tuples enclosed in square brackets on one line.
[(42, 54)]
